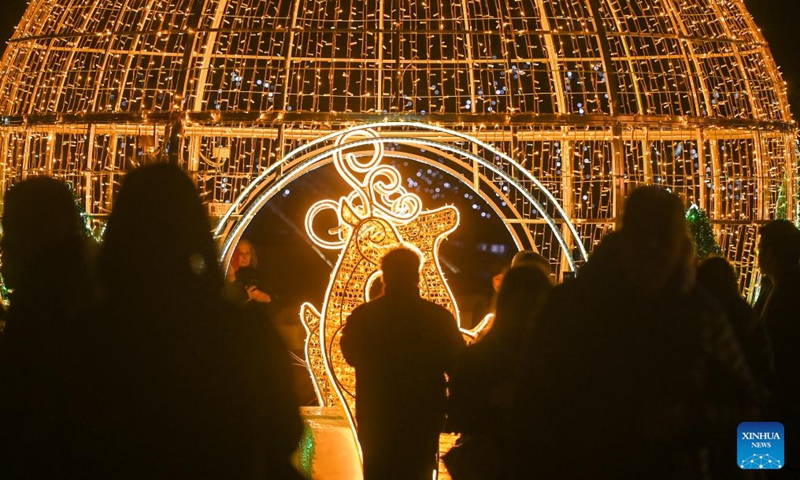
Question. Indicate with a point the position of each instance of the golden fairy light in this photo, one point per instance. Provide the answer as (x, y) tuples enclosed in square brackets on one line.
[(378, 215), (592, 97)]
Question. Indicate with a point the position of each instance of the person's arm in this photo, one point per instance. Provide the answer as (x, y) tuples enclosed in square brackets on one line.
[(256, 295), (451, 341), (459, 397), (351, 344), (255, 286), (234, 292), (462, 398)]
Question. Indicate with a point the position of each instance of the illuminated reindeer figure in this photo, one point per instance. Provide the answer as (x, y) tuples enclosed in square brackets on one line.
[(377, 216)]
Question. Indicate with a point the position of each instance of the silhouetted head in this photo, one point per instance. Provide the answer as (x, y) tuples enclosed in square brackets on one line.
[(522, 295), (778, 248), (400, 269), (39, 220), (529, 257), (717, 276), (654, 236), (158, 239), (497, 271), (376, 288)]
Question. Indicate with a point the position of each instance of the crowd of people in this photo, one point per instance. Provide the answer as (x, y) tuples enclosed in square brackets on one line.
[(641, 367), (153, 365), (137, 368)]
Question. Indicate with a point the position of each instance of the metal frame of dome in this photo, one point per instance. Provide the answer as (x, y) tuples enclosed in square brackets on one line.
[(592, 96)]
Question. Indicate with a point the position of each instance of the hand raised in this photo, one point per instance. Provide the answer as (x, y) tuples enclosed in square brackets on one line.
[(256, 295)]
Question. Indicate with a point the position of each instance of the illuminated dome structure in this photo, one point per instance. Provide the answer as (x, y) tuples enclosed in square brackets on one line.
[(550, 109)]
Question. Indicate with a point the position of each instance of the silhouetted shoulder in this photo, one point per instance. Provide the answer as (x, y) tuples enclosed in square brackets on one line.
[(362, 316), (363, 310), (437, 310)]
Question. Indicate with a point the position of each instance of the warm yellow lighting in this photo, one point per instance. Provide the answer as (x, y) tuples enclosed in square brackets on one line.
[(683, 94), (377, 216)]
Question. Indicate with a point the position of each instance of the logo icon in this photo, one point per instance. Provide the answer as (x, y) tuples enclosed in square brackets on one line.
[(760, 446)]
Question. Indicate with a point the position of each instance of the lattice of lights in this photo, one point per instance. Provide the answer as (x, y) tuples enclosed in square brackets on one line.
[(594, 97)]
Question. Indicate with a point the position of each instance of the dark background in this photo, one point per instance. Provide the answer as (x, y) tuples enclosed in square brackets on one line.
[(778, 20)]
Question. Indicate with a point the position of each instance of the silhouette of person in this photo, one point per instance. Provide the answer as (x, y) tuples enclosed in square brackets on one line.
[(191, 388), (718, 278), (764, 289), (529, 257), (482, 386), (45, 263), (486, 304), (631, 372), (779, 260), (401, 347), (376, 288)]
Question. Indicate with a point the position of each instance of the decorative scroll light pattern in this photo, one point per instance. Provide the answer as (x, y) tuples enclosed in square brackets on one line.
[(379, 190), (378, 215)]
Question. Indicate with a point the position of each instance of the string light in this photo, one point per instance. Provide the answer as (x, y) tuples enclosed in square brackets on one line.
[(592, 96), (377, 216), (564, 105)]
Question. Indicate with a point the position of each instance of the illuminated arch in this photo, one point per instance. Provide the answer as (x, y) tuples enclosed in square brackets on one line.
[(357, 154), (320, 151), (683, 94)]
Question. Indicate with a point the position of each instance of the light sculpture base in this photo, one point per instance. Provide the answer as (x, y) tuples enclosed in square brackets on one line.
[(328, 450)]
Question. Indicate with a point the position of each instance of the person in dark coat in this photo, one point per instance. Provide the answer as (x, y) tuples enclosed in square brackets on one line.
[(244, 283), (631, 373), (45, 262), (186, 385), (485, 304), (482, 386), (716, 276), (764, 289), (779, 260), (401, 347)]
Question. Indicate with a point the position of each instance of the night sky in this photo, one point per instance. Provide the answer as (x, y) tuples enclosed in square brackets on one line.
[(778, 19)]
